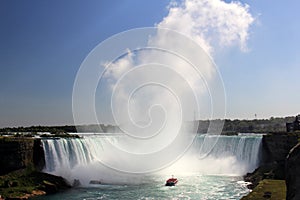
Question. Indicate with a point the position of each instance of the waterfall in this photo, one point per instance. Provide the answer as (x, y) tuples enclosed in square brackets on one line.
[(229, 154), (82, 158)]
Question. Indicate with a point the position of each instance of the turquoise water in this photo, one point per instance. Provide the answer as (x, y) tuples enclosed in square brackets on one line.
[(188, 187)]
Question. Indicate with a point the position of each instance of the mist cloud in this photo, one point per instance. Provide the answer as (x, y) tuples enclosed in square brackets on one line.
[(210, 23), (160, 78)]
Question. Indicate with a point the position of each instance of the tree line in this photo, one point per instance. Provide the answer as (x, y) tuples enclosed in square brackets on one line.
[(239, 126)]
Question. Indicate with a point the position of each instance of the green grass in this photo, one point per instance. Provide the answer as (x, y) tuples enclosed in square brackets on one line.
[(16, 191), (268, 189), (22, 182)]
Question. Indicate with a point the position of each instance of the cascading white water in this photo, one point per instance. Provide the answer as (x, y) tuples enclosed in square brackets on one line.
[(230, 154), (82, 158)]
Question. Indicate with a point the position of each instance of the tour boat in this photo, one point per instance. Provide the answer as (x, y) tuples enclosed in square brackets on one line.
[(95, 182), (171, 181)]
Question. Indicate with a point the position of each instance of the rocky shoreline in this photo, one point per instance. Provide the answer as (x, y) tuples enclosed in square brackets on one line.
[(26, 183)]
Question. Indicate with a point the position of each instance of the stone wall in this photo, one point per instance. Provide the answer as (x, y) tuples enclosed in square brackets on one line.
[(19, 153)]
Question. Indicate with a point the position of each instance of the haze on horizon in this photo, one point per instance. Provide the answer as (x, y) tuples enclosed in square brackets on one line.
[(44, 43)]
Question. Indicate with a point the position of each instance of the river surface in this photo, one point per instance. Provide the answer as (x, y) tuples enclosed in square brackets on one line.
[(189, 187)]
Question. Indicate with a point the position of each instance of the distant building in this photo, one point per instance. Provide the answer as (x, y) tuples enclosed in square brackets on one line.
[(294, 126)]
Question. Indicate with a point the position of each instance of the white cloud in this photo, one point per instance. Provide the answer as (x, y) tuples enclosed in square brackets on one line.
[(211, 23), (116, 69)]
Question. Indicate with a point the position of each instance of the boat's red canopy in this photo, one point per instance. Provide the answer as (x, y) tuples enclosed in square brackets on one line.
[(172, 180)]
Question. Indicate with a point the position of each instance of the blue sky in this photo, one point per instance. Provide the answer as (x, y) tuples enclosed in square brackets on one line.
[(44, 42)]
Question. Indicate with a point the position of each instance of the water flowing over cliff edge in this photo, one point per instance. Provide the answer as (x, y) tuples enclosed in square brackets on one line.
[(82, 159)]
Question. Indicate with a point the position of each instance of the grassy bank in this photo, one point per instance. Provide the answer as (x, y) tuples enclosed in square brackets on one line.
[(27, 183), (268, 189)]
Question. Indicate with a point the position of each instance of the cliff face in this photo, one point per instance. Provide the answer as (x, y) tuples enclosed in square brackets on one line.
[(293, 174), (18, 153), (38, 155), (277, 146), (275, 150), (21, 159)]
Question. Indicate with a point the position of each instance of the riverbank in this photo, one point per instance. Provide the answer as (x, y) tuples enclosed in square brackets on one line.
[(268, 189), (26, 183)]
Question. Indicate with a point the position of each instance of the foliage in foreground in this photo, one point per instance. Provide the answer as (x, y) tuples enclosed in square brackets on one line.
[(28, 181)]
